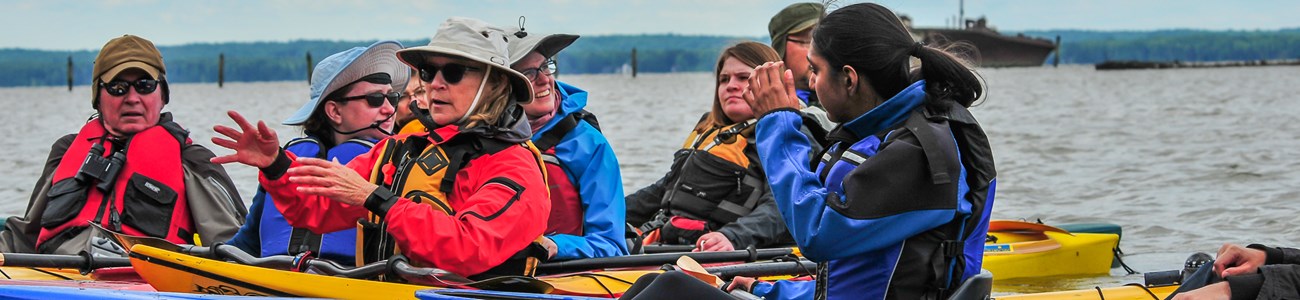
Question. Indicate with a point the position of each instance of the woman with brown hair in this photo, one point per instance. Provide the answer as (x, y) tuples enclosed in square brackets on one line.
[(716, 196), (466, 194)]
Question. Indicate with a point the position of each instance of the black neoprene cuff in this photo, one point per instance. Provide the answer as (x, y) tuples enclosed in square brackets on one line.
[(1245, 286), (1274, 254), (380, 201), (789, 109), (277, 167)]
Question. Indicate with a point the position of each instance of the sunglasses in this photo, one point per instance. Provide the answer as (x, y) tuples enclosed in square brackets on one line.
[(548, 67), (452, 73), (117, 88), (376, 99)]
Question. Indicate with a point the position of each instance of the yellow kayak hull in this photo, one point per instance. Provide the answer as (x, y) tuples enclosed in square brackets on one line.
[(176, 272), (1128, 292), (1025, 253), (26, 273)]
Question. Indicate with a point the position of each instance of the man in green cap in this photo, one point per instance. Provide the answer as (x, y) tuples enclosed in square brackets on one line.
[(791, 32), (130, 168)]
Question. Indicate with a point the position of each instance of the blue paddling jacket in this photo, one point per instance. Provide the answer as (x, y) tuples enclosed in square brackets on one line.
[(896, 208), (266, 232), (589, 164)]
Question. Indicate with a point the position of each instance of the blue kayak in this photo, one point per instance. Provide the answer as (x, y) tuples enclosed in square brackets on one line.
[(72, 293), (459, 294)]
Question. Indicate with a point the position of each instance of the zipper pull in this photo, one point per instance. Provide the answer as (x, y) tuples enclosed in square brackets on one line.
[(740, 178), (115, 220)]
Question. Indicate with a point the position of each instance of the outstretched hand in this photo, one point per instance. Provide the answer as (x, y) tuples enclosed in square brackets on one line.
[(331, 180), (771, 88), (254, 146), (1235, 260)]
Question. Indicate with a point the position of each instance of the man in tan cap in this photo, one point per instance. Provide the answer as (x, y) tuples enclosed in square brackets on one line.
[(791, 31), (130, 169)]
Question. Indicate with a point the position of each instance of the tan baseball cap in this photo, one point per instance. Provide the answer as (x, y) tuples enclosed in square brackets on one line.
[(126, 52)]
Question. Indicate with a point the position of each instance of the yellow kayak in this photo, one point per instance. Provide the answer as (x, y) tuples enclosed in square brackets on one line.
[(169, 271), (1128, 292), (26, 273), (1021, 249)]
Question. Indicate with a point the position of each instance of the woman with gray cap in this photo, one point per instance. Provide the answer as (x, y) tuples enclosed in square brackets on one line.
[(337, 127), (467, 195), (586, 187)]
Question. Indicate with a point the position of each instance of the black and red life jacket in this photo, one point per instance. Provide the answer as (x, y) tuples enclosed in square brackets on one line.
[(147, 196)]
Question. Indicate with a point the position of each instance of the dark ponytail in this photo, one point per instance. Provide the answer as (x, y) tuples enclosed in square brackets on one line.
[(872, 40)]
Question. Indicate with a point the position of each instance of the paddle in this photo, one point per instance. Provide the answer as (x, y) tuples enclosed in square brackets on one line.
[(644, 260), (83, 263)]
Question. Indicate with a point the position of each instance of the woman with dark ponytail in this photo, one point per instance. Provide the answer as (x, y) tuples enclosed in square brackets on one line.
[(897, 207)]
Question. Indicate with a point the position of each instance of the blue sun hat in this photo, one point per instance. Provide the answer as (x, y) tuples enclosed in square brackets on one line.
[(344, 68)]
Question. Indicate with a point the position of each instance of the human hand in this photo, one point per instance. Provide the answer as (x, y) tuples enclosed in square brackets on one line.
[(771, 88), (550, 246), (254, 146), (713, 241), (1219, 290), (1234, 259), (331, 180), (741, 283)]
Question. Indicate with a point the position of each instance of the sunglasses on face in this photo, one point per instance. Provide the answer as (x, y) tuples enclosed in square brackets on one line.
[(548, 67), (376, 99), (452, 73), (117, 88)]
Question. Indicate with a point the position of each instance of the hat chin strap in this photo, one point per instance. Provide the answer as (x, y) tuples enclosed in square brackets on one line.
[(472, 105)]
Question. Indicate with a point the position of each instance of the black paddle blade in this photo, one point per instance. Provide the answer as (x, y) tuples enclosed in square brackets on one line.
[(130, 240), (520, 284)]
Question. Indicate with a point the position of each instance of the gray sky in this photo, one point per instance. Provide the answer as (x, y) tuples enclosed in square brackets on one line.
[(75, 25)]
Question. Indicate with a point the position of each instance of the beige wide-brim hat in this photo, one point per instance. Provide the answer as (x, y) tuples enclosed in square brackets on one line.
[(474, 40)]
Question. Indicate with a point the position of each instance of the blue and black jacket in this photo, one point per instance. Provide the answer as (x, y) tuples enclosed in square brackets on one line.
[(896, 208), (266, 232), (589, 161)]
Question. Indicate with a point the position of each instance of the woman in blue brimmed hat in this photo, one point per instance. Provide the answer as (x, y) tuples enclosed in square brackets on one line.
[(466, 194), (351, 107)]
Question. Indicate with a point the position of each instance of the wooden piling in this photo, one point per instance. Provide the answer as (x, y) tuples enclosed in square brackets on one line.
[(310, 68), (69, 73), (221, 70), (1056, 58), (633, 62)]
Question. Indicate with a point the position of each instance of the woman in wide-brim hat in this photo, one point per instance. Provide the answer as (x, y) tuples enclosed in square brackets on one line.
[(455, 196), (351, 106)]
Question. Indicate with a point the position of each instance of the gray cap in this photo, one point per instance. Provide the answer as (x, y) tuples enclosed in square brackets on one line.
[(546, 44)]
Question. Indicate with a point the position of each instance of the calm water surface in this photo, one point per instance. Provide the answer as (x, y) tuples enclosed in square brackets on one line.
[(1184, 160)]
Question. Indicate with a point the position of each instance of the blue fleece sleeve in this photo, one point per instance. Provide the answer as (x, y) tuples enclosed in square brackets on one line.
[(785, 289), (587, 154), (822, 233), (247, 238)]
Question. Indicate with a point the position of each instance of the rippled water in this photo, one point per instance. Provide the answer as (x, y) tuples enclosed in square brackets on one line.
[(1183, 160)]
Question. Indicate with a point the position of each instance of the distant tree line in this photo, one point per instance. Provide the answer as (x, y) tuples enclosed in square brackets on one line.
[(656, 53)]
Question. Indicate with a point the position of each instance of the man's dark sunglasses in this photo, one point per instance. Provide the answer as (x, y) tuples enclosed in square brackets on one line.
[(452, 73), (376, 99), (117, 88)]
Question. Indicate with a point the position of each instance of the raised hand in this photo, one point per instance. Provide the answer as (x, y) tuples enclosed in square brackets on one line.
[(331, 180), (771, 88), (254, 146), (713, 241), (1234, 260)]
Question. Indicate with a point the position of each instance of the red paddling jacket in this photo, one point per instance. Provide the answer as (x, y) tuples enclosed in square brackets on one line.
[(466, 201)]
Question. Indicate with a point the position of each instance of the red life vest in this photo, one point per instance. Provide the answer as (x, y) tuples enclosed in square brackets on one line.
[(566, 203), (567, 215), (147, 197)]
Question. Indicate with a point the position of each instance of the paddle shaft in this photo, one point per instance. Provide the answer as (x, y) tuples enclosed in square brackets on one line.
[(659, 259), (83, 263), (804, 267)]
